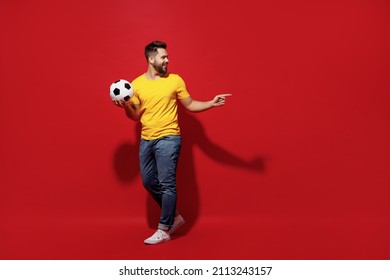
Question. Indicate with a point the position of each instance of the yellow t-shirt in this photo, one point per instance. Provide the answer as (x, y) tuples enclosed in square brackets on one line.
[(158, 99)]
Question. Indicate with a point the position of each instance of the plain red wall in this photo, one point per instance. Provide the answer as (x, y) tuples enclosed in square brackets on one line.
[(305, 135)]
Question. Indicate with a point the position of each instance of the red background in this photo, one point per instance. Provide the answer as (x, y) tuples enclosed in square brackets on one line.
[(295, 166)]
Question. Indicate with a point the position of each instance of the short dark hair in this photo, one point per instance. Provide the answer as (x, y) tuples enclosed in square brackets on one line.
[(151, 48)]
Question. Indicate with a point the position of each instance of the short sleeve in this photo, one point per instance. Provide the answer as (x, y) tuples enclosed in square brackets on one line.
[(182, 92), (135, 100)]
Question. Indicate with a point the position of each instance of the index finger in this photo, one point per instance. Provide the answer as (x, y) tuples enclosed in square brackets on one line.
[(225, 94)]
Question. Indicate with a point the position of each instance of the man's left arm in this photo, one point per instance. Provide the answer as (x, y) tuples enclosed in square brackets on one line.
[(200, 106)]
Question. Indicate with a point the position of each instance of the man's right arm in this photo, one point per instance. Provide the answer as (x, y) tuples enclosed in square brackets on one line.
[(132, 110)]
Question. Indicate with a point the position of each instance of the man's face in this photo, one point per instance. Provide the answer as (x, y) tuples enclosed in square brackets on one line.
[(160, 61)]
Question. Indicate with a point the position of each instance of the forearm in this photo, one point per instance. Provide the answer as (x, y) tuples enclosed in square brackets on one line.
[(200, 106), (132, 112)]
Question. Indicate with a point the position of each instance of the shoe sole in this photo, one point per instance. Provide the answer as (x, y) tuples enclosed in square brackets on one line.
[(156, 242)]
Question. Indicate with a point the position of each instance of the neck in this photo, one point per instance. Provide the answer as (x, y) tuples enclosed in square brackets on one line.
[(152, 74)]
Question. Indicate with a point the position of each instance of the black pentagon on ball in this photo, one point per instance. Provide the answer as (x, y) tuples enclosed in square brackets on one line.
[(117, 81), (127, 85), (126, 98), (117, 91)]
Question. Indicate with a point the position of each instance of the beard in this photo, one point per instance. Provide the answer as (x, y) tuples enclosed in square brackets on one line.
[(161, 69)]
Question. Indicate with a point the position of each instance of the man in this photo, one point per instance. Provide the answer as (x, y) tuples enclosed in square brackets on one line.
[(154, 103)]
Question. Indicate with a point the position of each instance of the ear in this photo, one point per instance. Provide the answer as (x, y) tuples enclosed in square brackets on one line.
[(151, 59)]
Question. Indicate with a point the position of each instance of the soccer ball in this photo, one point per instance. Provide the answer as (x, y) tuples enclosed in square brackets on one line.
[(121, 90)]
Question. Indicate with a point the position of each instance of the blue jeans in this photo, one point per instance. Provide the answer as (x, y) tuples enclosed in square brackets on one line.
[(158, 164)]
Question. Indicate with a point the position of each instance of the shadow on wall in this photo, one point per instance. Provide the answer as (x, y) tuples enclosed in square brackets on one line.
[(188, 202)]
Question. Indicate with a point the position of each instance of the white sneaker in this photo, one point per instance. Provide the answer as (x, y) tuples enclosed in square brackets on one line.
[(179, 221), (158, 237)]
